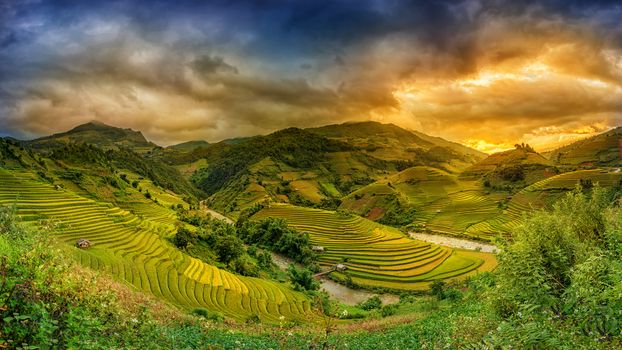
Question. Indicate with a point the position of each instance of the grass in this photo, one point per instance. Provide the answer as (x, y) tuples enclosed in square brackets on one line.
[(377, 255), (134, 251)]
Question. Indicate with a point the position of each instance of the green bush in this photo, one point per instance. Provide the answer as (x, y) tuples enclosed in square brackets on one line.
[(208, 315), (371, 303), (302, 278), (277, 236), (182, 238), (566, 264), (388, 310)]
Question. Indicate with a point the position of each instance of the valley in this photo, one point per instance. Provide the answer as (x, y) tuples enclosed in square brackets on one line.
[(249, 235)]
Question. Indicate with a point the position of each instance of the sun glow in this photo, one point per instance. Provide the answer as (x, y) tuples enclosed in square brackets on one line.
[(487, 147)]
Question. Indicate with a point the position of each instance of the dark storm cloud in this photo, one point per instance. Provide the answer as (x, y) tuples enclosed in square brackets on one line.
[(214, 69)]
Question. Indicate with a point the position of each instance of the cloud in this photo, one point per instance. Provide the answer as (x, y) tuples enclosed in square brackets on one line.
[(491, 71)]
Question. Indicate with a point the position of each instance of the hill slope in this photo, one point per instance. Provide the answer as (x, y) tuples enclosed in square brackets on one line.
[(98, 134), (134, 251), (189, 146), (600, 150), (390, 142)]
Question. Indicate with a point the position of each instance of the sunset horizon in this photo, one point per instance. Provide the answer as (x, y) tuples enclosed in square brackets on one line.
[(486, 74)]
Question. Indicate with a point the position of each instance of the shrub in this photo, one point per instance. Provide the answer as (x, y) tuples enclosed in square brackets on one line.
[(201, 312), (388, 310), (371, 303), (302, 278), (182, 238), (208, 315), (437, 288), (277, 236), (253, 319), (566, 263)]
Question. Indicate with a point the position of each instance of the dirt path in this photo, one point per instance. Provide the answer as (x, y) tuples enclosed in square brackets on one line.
[(454, 242), (216, 214)]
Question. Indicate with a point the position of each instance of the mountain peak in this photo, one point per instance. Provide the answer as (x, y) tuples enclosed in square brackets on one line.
[(96, 133)]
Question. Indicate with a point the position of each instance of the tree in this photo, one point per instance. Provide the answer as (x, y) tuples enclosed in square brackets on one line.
[(182, 238), (229, 248), (302, 278)]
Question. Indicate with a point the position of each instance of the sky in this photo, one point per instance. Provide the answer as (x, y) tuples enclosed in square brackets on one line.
[(486, 73)]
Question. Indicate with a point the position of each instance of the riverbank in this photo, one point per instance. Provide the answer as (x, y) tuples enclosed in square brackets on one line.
[(454, 242)]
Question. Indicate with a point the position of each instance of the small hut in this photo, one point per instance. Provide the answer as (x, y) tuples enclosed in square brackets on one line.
[(318, 249), (341, 267), (83, 243)]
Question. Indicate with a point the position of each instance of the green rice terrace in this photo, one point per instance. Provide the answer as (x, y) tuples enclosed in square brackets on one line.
[(450, 204), (376, 255), (135, 251)]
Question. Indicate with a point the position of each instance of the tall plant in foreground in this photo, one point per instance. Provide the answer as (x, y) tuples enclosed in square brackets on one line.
[(565, 265)]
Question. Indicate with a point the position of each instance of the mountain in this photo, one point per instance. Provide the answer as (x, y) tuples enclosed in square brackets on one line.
[(293, 148), (515, 168), (316, 166), (601, 150), (189, 146), (441, 142), (98, 134), (390, 142)]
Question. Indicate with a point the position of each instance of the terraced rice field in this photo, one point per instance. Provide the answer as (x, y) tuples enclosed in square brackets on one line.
[(540, 195), (443, 202), (127, 247), (379, 256)]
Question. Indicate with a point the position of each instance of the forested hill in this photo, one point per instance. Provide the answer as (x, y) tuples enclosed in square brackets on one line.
[(294, 147)]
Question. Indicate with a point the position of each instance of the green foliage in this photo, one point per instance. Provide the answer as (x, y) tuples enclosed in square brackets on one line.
[(229, 248), (512, 173), (399, 216), (294, 147), (208, 315), (264, 259), (80, 155), (442, 291), (388, 310), (302, 278), (371, 303), (437, 288), (74, 176), (274, 234), (566, 264), (182, 238), (247, 213)]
